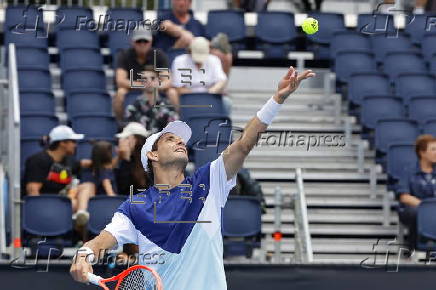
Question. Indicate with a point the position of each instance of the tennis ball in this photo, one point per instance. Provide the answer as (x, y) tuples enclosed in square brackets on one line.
[(310, 25)]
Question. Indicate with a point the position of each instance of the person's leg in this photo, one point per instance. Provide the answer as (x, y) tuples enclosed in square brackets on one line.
[(407, 216), (173, 97), (85, 192), (118, 103)]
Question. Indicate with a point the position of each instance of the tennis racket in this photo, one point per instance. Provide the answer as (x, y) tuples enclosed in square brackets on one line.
[(137, 277)]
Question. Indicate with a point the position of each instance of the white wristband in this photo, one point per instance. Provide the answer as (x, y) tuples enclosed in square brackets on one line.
[(88, 252), (268, 111)]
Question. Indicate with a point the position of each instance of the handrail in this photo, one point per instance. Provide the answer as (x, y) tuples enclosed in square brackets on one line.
[(2, 213)]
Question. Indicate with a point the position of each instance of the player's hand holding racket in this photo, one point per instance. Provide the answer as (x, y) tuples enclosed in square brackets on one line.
[(290, 82), (80, 268)]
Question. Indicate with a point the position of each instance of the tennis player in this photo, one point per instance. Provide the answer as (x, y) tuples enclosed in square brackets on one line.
[(177, 221)]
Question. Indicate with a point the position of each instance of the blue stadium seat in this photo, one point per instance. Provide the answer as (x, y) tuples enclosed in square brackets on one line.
[(430, 127), (27, 149), (241, 219), (209, 129), (208, 153), (400, 156), (96, 127), (233, 26), (376, 24), (375, 108), (84, 150), (367, 84), (74, 18), (328, 24), (426, 225), (432, 63), (21, 17), (275, 33), (353, 61), (408, 85), (418, 25), (133, 15), (172, 53), (117, 40), (397, 63), (392, 131), (32, 57), (77, 58), (198, 99), (422, 108), (34, 126), (348, 40), (89, 103), (77, 39), (34, 79), (381, 45), (28, 39), (37, 102), (84, 80), (101, 209), (428, 45)]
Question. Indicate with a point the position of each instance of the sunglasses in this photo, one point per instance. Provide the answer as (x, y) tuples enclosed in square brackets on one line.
[(142, 41)]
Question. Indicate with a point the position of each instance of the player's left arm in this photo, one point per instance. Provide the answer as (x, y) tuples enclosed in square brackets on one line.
[(236, 153)]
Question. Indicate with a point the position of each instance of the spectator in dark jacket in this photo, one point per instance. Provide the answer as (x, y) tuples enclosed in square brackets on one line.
[(417, 184), (245, 185)]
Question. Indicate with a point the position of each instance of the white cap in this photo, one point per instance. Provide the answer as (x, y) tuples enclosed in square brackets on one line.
[(133, 128), (199, 49), (63, 132), (142, 33), (178, 128)]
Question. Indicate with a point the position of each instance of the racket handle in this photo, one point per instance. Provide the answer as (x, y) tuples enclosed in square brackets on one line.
[(94, 279)]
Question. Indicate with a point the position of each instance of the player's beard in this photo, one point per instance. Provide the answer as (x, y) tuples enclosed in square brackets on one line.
[(178, 162)]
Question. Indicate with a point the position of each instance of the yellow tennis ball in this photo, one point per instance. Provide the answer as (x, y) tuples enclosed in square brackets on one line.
[(310, 25)]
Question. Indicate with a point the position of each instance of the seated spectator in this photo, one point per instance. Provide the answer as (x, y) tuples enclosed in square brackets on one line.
[(417, 184), (96, 180), (143, 110), (52, 170), (136, 58), (221, 47), (245, 185), (128, 169), (251, 5), (178, 27)]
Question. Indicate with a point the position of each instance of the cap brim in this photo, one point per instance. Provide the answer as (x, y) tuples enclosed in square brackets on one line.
[(199, 57), (77, 136), (122, 135)]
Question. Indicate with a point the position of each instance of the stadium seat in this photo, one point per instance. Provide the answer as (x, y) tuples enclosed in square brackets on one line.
[(381, 45), (84, 149), (367, 84), (34, 126), (426, 225), (117, 40), (430, 127), (275, 33), (172, 53), (34, 79), (28, 39), (376, 23), (208, 153), (397, 63), (89, 103), (346, 40), (197, 99), (400, 156), (433, 64), (84, 80), (37, 102), (21, 17), (419, 25), (32, 57), (209, 129), (77, 39), (134, 15), (101, 209), (27, 149), (375, 108), (391, 131), (241, 219), (233, 26), (74, 18), (353, 61), (408, 85), (77, 58), (97, 127), (428, 45), (422, 108)]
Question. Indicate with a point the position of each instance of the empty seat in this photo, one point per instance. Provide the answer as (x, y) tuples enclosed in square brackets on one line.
[(77, 39), (129, 16), (428, 45), (328, 23), (84, 80), (84, 149), (352, 61), (400, 156), (422, 108), (88, 103), (27, 149), (430, 127), (101, 209), (77, 58), (74, 18), (21, 17), (208, 153), (433, 64), (367, 84), (391, 131), (233, 26), (172, 53), (209, 129), (376, 23), (418, 25), (381, 45), (117, 40), (95, 127), (375, 108), (37, 102), (213, 102), (34, 79), (348, 40), (28, 39), (396, 63), (408, 85), (426, 225), (32, 57), (34, 126)]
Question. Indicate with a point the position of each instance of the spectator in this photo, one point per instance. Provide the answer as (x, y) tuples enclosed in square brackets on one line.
[(178, 27), (51, 170), (245, 185), (129, 170), (221, 48), (417, 184), (251, 5), (136, 58), (96, 180)]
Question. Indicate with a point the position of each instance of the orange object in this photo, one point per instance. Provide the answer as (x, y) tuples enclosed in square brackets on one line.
[(277, 236), (17, 243)]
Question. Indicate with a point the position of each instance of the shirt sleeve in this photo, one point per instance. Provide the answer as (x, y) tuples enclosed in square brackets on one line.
[(404, 183), (121, 60), (219, 180), (122, 229), (219, 74), (176, 75), (162, 59), (35, 171)]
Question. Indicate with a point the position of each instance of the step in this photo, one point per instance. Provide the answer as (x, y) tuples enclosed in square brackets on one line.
[(311, 175), (321, 188), (276, 164), (303, 126), (333, 201), (339, 230)]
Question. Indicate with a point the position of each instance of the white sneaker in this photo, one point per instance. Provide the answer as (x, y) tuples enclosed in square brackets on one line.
[(82, 217)]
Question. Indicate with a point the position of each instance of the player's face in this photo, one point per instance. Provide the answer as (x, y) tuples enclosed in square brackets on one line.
[(172, 150), (181, 6), (150, 80), (430, 153)]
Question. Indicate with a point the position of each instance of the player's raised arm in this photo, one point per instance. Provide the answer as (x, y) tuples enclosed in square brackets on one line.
[(236, 153)]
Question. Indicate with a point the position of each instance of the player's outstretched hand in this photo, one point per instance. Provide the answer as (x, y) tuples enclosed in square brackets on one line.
[(290, 82), (80, 268)]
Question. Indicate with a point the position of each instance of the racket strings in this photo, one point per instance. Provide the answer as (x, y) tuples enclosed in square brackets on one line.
[(138, 280)]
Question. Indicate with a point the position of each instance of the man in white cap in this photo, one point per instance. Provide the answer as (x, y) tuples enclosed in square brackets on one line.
[(179, 218), (50, 171)]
